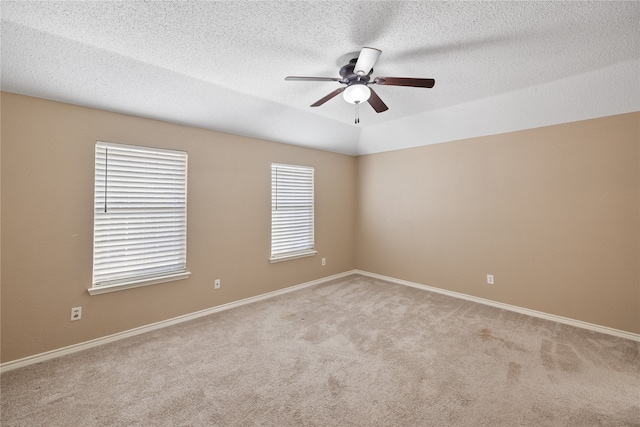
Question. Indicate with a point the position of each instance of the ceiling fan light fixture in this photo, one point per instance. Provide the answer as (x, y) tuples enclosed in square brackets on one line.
[(356, 93)]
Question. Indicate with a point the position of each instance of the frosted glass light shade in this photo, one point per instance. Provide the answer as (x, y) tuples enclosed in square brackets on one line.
[(356, 94)]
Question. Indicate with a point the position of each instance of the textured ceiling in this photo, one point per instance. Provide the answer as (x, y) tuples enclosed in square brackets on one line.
[(221, 65)]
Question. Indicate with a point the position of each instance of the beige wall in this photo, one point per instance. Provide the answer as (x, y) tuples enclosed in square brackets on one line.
[(47, 221), (553, 213)]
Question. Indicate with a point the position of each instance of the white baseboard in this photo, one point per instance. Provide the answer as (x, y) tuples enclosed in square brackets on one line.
[(521, 310), (37, 358)]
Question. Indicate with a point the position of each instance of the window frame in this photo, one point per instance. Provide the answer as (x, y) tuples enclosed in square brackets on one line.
[(135, 211), (304, 199)]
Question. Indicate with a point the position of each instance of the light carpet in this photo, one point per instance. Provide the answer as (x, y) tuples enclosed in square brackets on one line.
[(352, 352)]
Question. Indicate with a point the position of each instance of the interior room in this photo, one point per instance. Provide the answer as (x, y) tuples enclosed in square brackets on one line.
[(489, 178)]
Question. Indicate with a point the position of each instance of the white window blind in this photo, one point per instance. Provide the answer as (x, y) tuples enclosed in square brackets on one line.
[(140, 215), (291, 211)]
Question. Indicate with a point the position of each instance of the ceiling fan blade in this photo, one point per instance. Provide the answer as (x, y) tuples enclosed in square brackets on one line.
[(366, 60), (377, 103), (311, 79), (328, 97), (404, 81)]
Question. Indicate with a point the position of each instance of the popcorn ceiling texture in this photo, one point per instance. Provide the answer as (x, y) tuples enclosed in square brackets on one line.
[(221, 65)]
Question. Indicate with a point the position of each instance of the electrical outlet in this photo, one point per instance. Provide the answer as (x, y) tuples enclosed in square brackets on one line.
[(490, 280), (216, 284), (324, 261), (76, 313)]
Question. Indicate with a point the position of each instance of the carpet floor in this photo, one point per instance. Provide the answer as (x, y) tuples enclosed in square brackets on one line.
[(352, 352)]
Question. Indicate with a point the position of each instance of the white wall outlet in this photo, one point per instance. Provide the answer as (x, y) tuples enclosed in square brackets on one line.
[(216, 284), (490, 280), (324, 261), (76, 313)]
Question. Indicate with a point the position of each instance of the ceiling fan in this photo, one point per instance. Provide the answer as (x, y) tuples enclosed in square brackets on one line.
[(356, 78)]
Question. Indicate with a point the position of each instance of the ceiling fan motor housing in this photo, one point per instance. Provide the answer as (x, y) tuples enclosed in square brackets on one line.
[(349, 76)]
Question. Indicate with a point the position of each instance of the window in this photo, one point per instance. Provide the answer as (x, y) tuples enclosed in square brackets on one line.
[(140, 217), (291, 212)]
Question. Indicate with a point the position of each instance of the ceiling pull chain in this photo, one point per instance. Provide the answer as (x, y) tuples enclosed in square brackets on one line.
[(357, 114)]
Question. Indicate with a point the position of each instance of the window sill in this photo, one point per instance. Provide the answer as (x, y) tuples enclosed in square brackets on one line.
[(295, 255), (120, 286)]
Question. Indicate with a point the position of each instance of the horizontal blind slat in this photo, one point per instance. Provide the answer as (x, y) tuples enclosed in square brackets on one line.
[(143, 231), (291, 209)]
